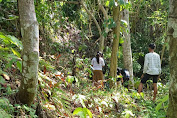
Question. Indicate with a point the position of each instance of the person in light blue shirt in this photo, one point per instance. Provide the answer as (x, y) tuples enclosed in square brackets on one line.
[(152, 69)]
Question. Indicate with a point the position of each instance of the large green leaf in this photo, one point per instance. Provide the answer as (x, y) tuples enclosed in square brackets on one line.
[(107, 3), (4, 38), (79, 111), (165, 98), (12, 56), (88, 112), (19, 65), (13, 17), (70, 79), (15, 41), (16, 53), (4, 48), (8, 39), (82, 112), (158, 106)]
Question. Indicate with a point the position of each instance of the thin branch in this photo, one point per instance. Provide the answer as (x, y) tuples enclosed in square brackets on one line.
[(103, 10), (94, 19), (104, 13)]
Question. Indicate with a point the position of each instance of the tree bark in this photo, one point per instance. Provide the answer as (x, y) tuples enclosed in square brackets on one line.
[(30, 53), (163, 49), (113, 66), (106, 29), (104, 13), (172, 36), (127, 51)]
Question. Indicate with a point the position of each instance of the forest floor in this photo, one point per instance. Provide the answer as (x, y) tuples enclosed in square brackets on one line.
[(58, 97)]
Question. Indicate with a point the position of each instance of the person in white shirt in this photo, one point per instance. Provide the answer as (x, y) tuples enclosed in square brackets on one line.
[(97, 64), (152, 69)]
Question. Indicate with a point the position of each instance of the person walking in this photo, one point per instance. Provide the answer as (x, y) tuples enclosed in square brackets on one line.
[(97, 64), (152, 69)]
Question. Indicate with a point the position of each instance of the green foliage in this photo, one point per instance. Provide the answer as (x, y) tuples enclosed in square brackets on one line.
[(70, 79), (3, 114), (110, 23), (64, 27), (82, 112), (2, 81), (10, 40), (71, 11), (160, 102), (6, 106), (7, 110), (148, 24), (9, 49), (29, 110), (19, 65), (45, 63), (114, 3)]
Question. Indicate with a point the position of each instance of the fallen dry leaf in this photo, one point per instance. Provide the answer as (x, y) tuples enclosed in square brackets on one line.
[(49, 106), (6, 77)]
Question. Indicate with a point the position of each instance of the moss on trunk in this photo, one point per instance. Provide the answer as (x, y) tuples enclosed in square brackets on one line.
[(127, 51), (172, 35), (30, 54), (113, 66)]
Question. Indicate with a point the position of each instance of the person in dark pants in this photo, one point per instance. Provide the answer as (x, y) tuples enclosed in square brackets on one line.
[(124, 76), (152, 69)]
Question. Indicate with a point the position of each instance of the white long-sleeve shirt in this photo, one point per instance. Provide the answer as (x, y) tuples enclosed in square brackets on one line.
[(95, 64), (152, 64)]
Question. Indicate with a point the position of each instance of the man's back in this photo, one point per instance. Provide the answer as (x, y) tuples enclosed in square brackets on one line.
[(152, 69), (152, 64)]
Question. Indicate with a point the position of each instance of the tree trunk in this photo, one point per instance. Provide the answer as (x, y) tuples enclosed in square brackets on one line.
[(113, 66), (107, 30), (163, 49), (30, 54), (172, 36), (127, 52), (101, 47)]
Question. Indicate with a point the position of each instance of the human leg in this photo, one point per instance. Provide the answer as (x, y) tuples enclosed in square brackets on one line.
[(155, 90), (140, 87), (155, 78), (143, 81)]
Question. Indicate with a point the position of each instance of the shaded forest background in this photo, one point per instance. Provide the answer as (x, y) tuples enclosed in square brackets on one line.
[(69, 39)]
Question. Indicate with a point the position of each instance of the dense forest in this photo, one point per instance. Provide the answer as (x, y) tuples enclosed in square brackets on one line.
[(47, 52)]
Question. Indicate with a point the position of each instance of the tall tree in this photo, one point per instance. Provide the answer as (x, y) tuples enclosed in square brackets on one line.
[(116, 17), (127, 51), (172, 35), (101, 39), (30, 53), (101, 7), (91, 15)]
